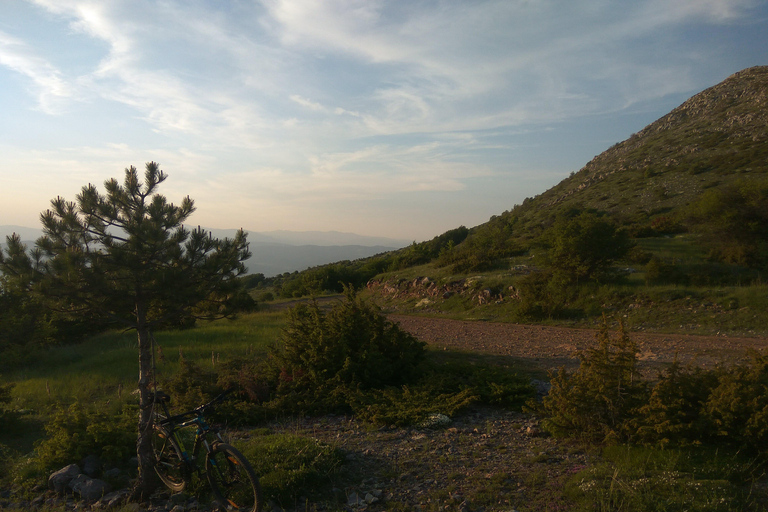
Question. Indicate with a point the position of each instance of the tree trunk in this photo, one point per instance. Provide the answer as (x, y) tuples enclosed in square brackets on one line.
[(146, 483)]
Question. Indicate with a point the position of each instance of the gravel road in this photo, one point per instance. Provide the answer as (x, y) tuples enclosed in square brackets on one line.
[(551, 347)]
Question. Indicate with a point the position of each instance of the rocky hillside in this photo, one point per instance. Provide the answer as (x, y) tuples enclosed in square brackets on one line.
[(714, 143), (717, 136), (715, 139)]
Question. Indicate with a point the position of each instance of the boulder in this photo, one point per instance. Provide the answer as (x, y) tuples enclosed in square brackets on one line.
[(114, 499), (59, 480), (91, 465), (354, 501), (88, 488), (113, 473)]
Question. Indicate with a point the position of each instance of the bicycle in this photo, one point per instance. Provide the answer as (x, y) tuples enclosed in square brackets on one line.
[(233, 481)]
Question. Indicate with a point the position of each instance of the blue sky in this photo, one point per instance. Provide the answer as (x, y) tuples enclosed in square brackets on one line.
[(400, 118)]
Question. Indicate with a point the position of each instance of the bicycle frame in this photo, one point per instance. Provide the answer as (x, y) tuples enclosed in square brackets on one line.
[(174, 425), (231, 477)]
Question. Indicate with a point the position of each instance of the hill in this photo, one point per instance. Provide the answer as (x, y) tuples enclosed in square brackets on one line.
[(667, 228), (714, 141)]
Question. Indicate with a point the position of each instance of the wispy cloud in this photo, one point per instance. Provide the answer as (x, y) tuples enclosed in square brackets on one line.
[(291, 103), (48, 84), (448, 65)]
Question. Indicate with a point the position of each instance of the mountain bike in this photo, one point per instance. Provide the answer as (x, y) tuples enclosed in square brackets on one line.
[(233, 481)]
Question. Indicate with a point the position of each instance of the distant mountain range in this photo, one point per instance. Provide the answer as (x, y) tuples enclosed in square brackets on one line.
[(276, 252)]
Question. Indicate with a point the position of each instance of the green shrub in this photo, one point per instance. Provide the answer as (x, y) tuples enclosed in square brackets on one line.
[(543, 294), (731, 222), (738, 405), (582, 245), (5, 398), (409, 405), (601, 396), (25, 325), (191, 386), (7, 455), (78, 431), (446, 387), (352, 346), (490, 384), (674, 413)]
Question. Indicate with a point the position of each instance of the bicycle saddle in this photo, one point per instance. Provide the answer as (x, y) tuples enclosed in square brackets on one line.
[(161, 397)]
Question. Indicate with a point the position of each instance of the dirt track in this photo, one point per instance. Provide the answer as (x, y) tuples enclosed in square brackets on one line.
[(552, 347)]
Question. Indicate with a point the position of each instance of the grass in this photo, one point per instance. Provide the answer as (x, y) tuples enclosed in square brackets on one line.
[(291, 466), (702, 305), (680, 247), (103, 370), (645, 479), (105, 367)]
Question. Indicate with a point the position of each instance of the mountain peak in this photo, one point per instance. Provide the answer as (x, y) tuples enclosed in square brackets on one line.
[(713, 137)]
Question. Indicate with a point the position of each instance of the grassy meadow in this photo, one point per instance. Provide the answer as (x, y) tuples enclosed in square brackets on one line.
[(104, 369), (99, 375)]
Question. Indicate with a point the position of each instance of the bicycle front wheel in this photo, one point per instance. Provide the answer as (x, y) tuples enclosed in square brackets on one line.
[(233, 480), (169, 463)]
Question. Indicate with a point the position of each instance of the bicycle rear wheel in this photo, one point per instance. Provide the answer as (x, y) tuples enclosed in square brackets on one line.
[(169, 463), (233, 480)]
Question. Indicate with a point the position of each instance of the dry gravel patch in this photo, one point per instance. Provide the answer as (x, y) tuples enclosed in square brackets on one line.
[(547, 348), (487, 460)]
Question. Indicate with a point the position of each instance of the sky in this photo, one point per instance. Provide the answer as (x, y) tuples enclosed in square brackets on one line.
[(400, 119)]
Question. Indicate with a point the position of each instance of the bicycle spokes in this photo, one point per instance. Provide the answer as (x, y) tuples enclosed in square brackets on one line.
[(233, 479)]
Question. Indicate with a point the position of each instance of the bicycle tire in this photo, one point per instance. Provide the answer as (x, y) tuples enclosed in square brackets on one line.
[(169, 463), (233, 480)]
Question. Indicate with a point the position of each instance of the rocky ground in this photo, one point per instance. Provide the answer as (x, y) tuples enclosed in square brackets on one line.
[(487, 460)]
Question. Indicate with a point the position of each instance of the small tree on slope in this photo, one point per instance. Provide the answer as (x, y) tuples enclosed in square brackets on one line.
[(127, 256)]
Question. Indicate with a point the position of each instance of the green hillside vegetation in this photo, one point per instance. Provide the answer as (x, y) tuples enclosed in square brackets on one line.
[(677, 214), (715, 142)]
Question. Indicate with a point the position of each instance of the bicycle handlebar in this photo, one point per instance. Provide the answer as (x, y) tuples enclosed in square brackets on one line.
[(213, 402), (197, 411)]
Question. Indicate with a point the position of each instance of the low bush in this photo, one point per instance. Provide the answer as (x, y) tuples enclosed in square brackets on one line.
[(599, 398), (675, 411), (191, 385), (543, 294), (491, 384), (7, 456), (290, 466), (604, 399), (409, 405), (737, 407), (324, 355), (5, 397), (79, 430)]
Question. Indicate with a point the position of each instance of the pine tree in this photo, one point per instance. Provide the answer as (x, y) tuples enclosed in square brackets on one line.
[(127, 257)]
